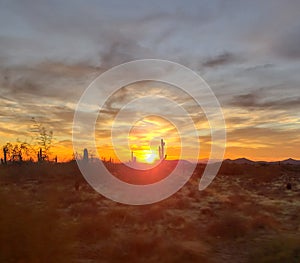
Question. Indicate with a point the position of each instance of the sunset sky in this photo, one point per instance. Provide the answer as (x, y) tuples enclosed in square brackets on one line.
[(247, 51)]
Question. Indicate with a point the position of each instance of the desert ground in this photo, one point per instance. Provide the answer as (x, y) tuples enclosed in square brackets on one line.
[(48, 213)]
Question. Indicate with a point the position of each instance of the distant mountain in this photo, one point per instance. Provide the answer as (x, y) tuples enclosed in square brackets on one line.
[(247, 161), (290, 161), (240, 161), (205, 161)]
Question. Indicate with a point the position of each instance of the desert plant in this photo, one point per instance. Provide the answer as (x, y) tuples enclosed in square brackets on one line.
[(278, 250), (228, 226), (43, 138), (30, 234)]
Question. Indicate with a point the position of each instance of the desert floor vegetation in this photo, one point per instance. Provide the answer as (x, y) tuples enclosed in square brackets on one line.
[(238, 218)]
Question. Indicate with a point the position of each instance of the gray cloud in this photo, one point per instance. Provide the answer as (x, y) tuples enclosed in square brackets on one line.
[(259, 100), (46, 81), (50, 52), (288, 44), (219, 60)]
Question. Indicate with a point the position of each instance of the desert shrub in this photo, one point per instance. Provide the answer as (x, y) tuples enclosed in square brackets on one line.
[(186, 251), (119, 215), (130, 248), (264, 174), (229, 226), (93, 229), (68, 199), (176, 222), (177, 201), (281, 249), (150, 214), (192, 231), (237, 198), (148, 247), (198, 195), (207, 211), (83, 209), (138, 246), (31, 234), (264, 222), (231, 169), (251, 209)]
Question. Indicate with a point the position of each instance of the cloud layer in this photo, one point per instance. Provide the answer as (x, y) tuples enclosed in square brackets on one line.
[(248, 52)]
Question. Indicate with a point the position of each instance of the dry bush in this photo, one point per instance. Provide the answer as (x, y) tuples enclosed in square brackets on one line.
[(32, 234), (94, 229), (207, 211), (119, 215), (238, 198), (198, 195), (192, 231), (278, 250), (131, 247), (150, 214), (253, 208), (69, 199), (177, 201), (176, 222), (139, 246), (265, 174), (231, 169), (183, 251), (228, 226), (83, 209), (264, 222), (148, 247)]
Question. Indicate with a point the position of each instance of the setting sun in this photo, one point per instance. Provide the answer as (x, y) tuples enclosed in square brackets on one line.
[(145, 139), (150, 157)]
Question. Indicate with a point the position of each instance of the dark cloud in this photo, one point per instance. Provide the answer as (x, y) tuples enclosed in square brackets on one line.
[(262, 101), (245, 100), (220, 60), (120, 49), (48, 80), (260, 67)]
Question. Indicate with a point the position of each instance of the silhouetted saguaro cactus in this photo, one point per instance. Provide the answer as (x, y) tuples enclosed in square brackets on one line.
[(85, 155), (5, 150), (40, 155), (133, 158), (161, 149)]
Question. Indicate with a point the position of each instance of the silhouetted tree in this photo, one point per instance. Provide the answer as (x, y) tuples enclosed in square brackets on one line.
[(15, 152), (43, 138)]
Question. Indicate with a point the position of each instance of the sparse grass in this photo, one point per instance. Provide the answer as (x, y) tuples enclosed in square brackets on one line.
[(94, 229), (151, 214), (117, 215), (264, 222), (43, 219), (229, 226), (278, 250), (32, 234), (83, 210), (184, 251)]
